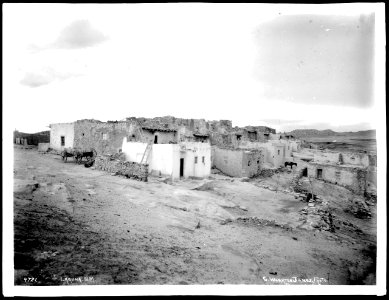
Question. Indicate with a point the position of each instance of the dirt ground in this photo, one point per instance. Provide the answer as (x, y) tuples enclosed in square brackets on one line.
[(75, 225)]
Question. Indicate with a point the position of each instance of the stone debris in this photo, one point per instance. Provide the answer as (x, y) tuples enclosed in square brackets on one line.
[(255, 221), (126, 168), (317, 215)]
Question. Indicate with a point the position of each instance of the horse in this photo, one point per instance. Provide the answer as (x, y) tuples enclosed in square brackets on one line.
[(68, 153), (88, 154)]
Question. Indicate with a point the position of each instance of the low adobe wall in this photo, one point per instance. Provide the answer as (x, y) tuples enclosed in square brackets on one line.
[(43, 147), (126, 168)]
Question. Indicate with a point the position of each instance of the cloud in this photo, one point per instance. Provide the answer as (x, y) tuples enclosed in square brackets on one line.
[(35, 80), (44, 77), (79, 34)]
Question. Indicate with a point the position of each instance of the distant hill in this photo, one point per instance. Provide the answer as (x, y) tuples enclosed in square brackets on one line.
[(305, 133)]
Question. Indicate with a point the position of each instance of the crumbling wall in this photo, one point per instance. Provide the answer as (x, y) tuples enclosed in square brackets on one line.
[(105, 138), (252, 162), (326, 157), (356, 159), (119, 167)]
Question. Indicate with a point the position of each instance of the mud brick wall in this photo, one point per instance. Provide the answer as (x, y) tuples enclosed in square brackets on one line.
[(125, 168)]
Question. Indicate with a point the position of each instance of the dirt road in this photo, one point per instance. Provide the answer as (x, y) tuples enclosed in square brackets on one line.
[(75, 225)]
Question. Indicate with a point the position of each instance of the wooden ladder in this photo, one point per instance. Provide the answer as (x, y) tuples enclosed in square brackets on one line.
[(146, 153)]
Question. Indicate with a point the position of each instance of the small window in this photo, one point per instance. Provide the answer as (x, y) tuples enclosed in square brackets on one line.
[(62, 141), (278, 152), (238, 137), (105, 136), (195, 159), (257, 162), (83, 134), (203, 159)]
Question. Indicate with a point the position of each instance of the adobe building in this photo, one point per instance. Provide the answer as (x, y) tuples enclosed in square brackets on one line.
[(104, 137), (239, 162), (176, 160), (355, 171)]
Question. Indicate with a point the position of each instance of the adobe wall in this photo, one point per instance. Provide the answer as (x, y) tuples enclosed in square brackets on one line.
[(229, 161), (164, 137), (126, 168), (58, 130), (164, 159), (189, 151), (349, 177)]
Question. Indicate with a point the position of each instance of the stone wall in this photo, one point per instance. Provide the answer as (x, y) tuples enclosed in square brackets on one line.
[(104, 137), (119, 167)]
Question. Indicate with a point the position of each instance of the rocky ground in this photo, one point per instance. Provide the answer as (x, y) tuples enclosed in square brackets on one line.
[(75, 225)]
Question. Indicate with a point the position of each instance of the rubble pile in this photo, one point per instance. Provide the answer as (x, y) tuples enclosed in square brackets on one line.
[(359, 208), (267, 172), (118, 167), (317, 215), (255, 221)]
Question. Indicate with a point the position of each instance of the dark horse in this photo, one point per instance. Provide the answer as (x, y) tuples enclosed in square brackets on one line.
[(291, 164), (88, 154)]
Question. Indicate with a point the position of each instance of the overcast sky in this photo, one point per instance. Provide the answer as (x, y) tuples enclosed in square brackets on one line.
[(282, 66)]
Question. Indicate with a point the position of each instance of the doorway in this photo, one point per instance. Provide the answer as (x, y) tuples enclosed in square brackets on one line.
[(305, 172), (181, 167), (156, 139)]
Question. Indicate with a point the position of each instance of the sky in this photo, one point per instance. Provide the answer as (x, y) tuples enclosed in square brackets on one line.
[(281, 66)]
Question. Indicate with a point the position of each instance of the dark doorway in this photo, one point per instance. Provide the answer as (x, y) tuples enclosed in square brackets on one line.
[(181, 167), (62, 141), (156, 139), (305, 172), (319, 173)]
